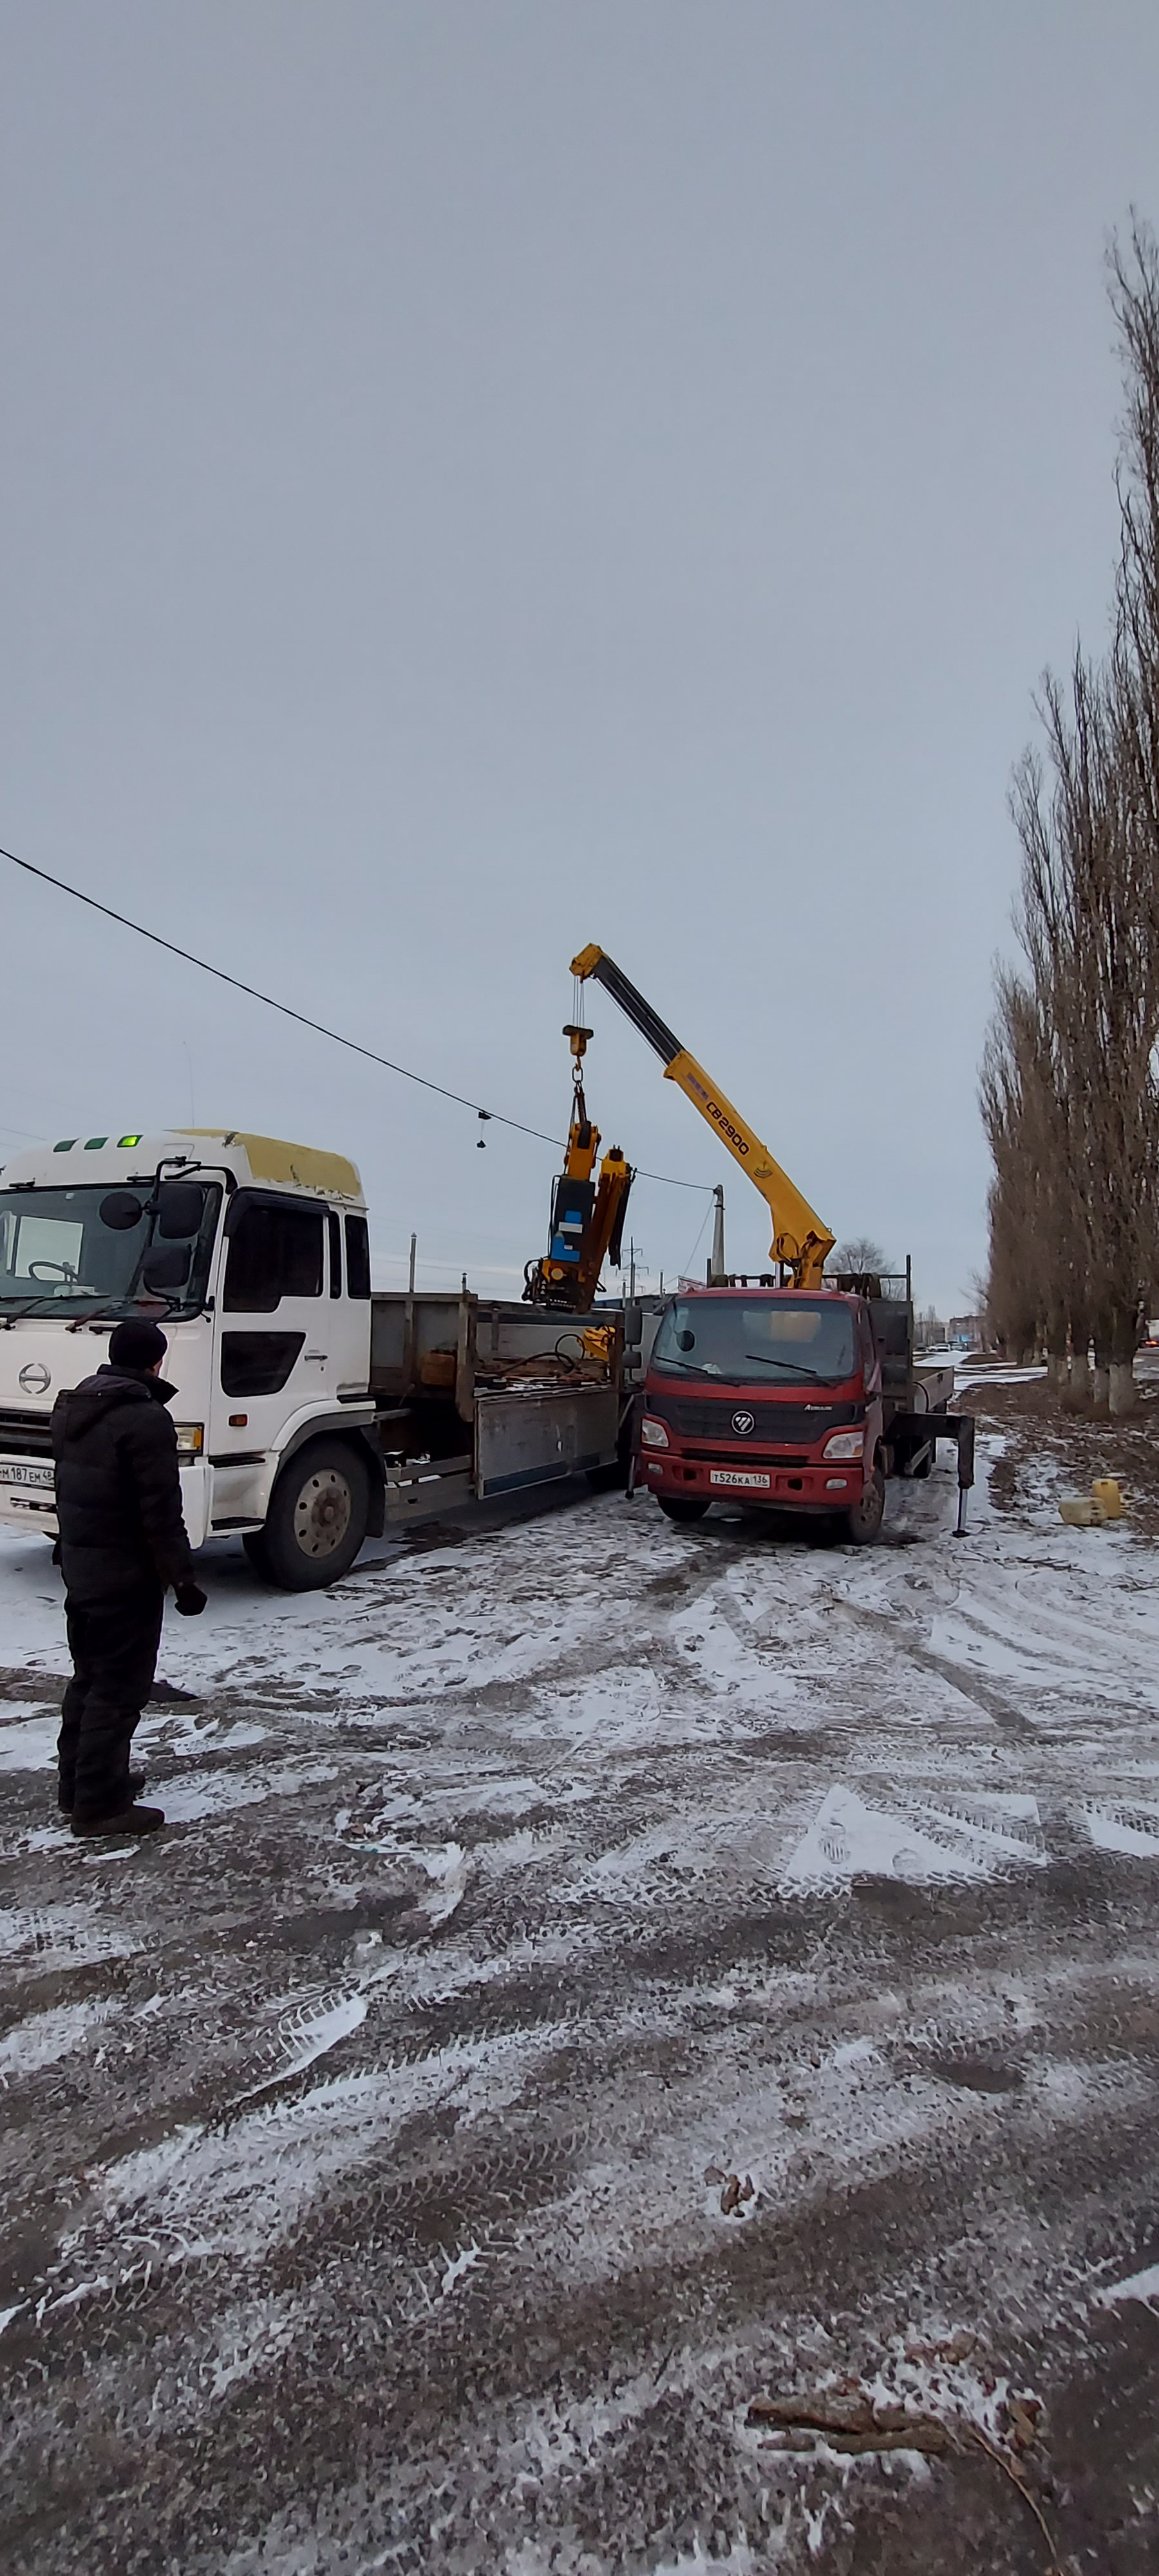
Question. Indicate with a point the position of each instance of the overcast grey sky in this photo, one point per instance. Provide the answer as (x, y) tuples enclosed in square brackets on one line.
[(480, 478)]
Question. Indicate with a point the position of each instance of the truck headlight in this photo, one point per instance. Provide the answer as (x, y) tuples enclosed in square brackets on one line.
[(844, 1444), (190, 1441), (653, 1434)]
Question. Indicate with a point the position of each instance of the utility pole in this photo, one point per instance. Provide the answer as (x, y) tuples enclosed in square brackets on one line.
[(716, 1267), (408, 1326)]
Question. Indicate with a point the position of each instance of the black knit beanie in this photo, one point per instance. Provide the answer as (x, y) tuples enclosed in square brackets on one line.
[(137, 1344)]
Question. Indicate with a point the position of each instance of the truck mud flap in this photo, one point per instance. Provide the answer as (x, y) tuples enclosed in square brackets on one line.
[(528, 1438)]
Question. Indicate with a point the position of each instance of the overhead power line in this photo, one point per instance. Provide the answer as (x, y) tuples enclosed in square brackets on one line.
[(304, 1022)]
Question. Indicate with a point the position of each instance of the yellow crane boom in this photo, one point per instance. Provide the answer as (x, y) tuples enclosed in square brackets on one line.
[(801, 1239)]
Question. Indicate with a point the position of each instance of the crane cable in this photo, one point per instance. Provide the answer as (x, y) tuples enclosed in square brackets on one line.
[(318, 1026), (687, 1270)]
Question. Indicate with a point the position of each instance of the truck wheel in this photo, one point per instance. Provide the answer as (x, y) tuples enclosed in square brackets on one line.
[(864, 1521), (676, 1507), (317, 1518)]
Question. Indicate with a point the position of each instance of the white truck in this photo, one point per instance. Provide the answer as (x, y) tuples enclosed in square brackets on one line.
[(311, 1411)]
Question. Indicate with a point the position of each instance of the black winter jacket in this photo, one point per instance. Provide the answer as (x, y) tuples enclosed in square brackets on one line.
[(118, 1495)]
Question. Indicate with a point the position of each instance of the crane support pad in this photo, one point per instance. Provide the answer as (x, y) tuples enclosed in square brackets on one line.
[(921, 1427)]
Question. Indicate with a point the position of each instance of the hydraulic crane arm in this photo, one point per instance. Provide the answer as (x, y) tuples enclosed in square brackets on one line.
[(800, 1237)]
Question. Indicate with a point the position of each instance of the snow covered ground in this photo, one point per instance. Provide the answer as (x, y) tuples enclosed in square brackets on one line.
[(366, 2135)]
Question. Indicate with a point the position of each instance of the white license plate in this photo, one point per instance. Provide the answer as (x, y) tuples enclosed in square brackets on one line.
[(15, 1471), (738, 1476)]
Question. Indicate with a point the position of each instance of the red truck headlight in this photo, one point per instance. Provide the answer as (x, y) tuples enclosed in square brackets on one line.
[(653, 1433), (844, 1444)]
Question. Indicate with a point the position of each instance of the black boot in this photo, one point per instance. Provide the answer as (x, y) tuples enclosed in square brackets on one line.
[(129, 1820)]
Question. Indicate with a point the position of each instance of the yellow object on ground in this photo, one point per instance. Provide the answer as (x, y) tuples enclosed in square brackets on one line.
[(1089, 1511)]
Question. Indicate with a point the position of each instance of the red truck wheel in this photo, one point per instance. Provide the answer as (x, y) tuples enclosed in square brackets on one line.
[(862, 1524), (676, 1508)]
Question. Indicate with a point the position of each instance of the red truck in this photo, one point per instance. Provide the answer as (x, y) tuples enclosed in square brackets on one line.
[(792, 1400), (797, 1391)]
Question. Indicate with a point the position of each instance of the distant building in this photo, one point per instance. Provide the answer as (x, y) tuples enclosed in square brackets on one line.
[(968, 1332)]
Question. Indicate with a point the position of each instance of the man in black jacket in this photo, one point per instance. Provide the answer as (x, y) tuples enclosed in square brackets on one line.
[(123, 1541)]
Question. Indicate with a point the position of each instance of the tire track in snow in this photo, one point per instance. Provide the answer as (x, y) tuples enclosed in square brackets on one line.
[(894, 1626)]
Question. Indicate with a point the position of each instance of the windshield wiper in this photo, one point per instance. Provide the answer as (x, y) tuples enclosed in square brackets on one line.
[(691, 1368), (61, 1308), (761, 1360), (10, 1315)]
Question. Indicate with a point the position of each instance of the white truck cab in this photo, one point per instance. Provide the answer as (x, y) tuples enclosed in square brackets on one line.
[(253, 1256)]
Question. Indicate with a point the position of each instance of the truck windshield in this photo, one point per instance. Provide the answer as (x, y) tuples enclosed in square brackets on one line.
[(58, 1257), (723, 1337)]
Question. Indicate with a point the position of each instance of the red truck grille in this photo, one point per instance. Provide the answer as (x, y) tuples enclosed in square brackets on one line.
[(780, 1426)]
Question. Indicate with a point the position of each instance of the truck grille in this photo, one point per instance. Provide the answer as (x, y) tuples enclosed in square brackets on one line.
[(776, 1426), (25, 1435)]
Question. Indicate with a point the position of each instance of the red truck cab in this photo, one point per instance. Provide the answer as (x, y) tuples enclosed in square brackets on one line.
[(770, 1397)]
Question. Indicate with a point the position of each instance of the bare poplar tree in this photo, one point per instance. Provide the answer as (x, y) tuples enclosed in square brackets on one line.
[(1036, 1282), (1133, 269), (1069, 1094)]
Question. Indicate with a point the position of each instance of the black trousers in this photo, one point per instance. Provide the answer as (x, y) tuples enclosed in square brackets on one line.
[(113, 1644)]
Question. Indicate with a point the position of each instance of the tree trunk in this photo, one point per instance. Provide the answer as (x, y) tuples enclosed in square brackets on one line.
[(1102, 1345), (1123, 1394)]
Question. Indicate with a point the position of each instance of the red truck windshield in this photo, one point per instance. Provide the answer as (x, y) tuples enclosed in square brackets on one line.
[(810, 1340)]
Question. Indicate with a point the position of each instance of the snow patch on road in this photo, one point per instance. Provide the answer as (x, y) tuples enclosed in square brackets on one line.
[(310, 2032), (62, 1936), (202, 1794), (239, 2189), (28, 1742), (45, 2037), (850, 1837), (1141, 2285), (1123, 1828)]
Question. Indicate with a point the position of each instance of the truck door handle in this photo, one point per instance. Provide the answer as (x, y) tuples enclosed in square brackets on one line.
[(315, 1355)]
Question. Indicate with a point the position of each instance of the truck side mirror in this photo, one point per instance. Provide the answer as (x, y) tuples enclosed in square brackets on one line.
[(121, 1211), (167, 1266), (180, 1207)]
